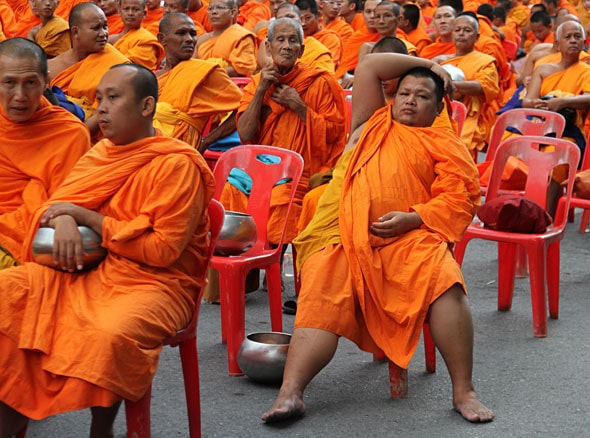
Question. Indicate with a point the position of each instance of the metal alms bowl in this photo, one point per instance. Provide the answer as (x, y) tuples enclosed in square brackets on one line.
[(456, 73), (262, 356), (42, 248), (237, 235)]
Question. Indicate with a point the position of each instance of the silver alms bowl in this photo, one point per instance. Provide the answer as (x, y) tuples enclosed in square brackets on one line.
[(456, 73), (42, 249), (262, 356), (237, 235)]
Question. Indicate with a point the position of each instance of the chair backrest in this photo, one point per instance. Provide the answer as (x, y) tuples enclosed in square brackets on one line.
[(241, 81), (540, 165), (216, 214), (264, 176), (348, 100), (510, 48), (527, 121), (459, 113)]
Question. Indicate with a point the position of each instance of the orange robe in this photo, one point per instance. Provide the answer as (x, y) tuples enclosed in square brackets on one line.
[(520, 14), (152, 18), (54, 37), (115, 23), (35, 158), (482, 68), (235, 46), (332, 41), (251, 13), (419, 38), (191, 93), (437, 48), (319, 139), (65, 6), (79, 81), (141, 47), (8, 22), (350, 55), (379, 290), (154, 195), (531, 40), (201, 17), (358, 22), (341, 27), (26, 18)]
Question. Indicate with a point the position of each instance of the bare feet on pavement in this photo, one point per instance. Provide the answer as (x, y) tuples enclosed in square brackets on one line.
[(472, 409), (285, 407)]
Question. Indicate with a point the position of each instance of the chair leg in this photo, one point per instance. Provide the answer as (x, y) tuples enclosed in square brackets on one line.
[(398, 381), (233, 307), (553, 268), (537, 259), (137, 415), (506, 273), (190, 370), (521, 262), (584, 220), (275, 296), (379, 357), (429, 349)]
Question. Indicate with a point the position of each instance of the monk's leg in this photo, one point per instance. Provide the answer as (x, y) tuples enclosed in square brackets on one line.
[(103, 420), (452, 331), (11, 421), (310, 350)]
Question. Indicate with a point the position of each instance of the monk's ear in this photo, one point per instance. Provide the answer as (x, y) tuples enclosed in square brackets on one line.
[(162, 39), (148, 106), (267, 46)]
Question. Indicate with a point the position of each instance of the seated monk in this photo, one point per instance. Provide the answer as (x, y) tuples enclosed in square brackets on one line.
[(332, 19), (251, 12), (135, 42), (192, 91), (409, 22), (399, 197), (53, 34), (78, 71), (111, 11), (229, 44), (80, 339), (153, 15), (311, 23), (181, 6), (40, 144)]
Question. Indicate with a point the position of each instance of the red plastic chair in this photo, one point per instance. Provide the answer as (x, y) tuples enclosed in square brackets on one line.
[(348, 100), (138, 413), (543, 250), (233, 270), (510, 48), (241, 81), (459, 114), (581, 202)]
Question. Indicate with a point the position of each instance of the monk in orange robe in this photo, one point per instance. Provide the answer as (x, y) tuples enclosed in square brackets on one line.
[(137, 43), (111, 10), (251, 12), (351, 11), (53, 35), (8, 22), (480, 87), (181, 6), (147, 196), (192, 91), (311, 23), (230, 45), (198, 11), (304, 111), (410, 23), (519, 13), (27, 18), (383, 229), (40, 145), (78, 71), (541, 31), (332, 20), (153, 15), (443, 21)]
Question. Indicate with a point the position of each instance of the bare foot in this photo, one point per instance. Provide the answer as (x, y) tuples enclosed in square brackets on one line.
[(285, 407), (472, 409)]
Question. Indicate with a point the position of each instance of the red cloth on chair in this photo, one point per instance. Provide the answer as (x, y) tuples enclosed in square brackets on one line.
[(514, 213)]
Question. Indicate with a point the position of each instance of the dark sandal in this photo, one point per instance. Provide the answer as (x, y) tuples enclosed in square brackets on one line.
[(290, 307)]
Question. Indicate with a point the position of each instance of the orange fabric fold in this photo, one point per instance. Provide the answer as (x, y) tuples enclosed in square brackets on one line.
[(350, 55), (251, 13), (54, 37), (236, 45), (141, 47)]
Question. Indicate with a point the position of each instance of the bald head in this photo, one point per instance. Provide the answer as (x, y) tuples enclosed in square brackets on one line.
[(23, 48), (76, 17)]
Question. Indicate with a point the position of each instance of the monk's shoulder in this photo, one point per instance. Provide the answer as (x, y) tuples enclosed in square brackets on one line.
[(60, 63)]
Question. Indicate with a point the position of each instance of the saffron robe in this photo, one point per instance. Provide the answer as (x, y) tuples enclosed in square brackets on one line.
[(437, 48), (236, 46), (341, 27), (201, 16), (380, 289), (79, 81), (54, 37), (251, 13), (191, 93), (8, 23), (350, 52), (76, 340), (141, 47), (332, 41), (482, 68), (35, 158), (419, 38), (115, 24), (151, 21), (320, 139)]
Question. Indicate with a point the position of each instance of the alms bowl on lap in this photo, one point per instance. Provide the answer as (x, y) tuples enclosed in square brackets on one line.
[(42, 248)]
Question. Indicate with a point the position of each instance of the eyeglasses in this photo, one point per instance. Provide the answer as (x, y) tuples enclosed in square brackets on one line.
[(217, 8)]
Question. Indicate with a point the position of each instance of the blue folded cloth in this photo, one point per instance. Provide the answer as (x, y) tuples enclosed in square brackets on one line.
[(225, 143), (243, 182)]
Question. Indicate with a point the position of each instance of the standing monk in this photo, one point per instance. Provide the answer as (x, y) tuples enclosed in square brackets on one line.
[(384, 229), (40, 143), (73, 339)]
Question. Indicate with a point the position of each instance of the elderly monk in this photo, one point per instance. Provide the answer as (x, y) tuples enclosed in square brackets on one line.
[(480, 87), (229, 44), (78, 71), (137, 43), (53, 35), (315, 53), (311, 23), (384, 230), (40, 143), (294, 106), (147, 196), (192, 91)]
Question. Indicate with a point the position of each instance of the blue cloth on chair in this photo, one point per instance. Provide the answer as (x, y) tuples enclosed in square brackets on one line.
[(225, 143), (242, 181)]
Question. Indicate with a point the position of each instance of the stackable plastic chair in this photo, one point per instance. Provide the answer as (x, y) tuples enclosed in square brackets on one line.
[(459, 114), (233, 269), (543, 250), (581, 202), (241, 81)]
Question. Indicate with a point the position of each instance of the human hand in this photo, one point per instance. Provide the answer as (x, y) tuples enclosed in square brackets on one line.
[(446, 77), (347, 81), (68, 250), (63, 208), (268, 75), (287, 96), (395, 223)]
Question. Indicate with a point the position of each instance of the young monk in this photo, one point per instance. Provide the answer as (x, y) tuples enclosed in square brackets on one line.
[(53, 35), (386, 242), (74, 339)]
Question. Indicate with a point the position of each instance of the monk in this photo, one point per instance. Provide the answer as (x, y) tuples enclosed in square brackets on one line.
[(147, 196), (315, 54), (383, 230), (197, 10), (181, 6), (153, 15), (192, 91), (541, 31), (409, 23), (251, 12), (480, 87), (135, 42), (40, 143), (8, 23), (294, 106), (78, 71), (27, 18), (111, 11), (53, 35), (311, 23), (443, 21), (229, 44), (332, 20)]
